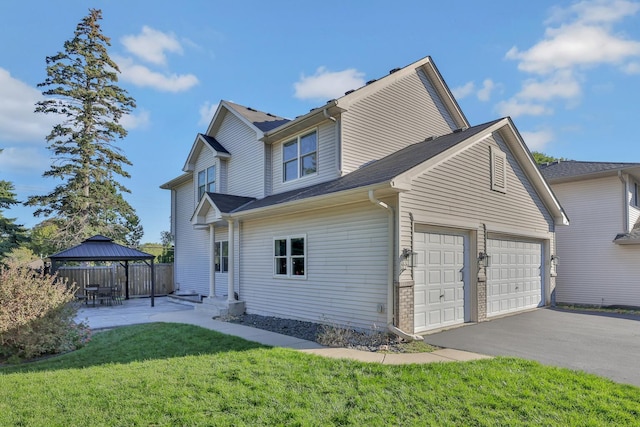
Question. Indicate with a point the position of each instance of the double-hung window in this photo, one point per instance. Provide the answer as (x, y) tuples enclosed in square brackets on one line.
[(290, 256), (206, 181), (221, 256), (635, 201), (299, 156)]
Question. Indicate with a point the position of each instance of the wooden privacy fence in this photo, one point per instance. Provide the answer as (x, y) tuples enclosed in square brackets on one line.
[(112, 275)]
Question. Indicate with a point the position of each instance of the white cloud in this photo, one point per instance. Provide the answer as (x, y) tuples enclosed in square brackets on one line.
[(536, 141), (575, 45), (328, 84), (515, 108), (595, 11), (150, 45), (488, 86), (136, 121), (140, 75), (632, 68), (464, 90), (207, 110), (560, 85), (18, 122), (24, 160)]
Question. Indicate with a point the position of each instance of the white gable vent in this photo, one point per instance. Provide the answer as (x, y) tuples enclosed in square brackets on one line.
[(498, 170)]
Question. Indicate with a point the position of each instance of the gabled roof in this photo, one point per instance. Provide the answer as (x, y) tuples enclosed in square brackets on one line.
[(263, 121), (383, 170), (220, 203), (570, 170), (201, 141), (100, 248)]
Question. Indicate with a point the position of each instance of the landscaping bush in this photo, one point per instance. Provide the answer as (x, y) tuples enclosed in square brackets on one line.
[(36, 315)]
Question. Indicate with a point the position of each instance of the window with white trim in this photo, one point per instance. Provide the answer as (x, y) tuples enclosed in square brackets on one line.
[(634, 195), (221, 256), (498, 170), (299, 156), (206, 181), (290, 256)]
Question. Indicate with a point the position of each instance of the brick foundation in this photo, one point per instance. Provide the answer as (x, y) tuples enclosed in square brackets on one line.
[(405, 305)]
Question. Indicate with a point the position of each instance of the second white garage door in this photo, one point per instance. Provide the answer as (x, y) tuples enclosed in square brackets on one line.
[(514, 280)]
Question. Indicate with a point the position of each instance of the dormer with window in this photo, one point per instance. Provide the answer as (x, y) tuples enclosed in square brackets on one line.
[(300, 156)]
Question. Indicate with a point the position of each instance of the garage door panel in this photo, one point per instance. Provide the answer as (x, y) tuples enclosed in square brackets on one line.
[(440, 280), (514, 278)]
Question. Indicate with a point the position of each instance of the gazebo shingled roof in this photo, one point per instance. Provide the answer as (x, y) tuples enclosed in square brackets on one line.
[(101, 248)]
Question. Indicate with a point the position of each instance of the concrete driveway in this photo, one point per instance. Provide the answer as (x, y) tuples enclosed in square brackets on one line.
[(603, 344)]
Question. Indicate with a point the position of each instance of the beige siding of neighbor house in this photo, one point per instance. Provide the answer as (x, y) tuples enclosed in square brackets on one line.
[(404, 113), (346, 274), (326, 160), (245, 168), (457, 194), (191, 246), (592, 269)]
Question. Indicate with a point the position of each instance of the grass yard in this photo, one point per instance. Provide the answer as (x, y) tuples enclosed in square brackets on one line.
[(172, 374)]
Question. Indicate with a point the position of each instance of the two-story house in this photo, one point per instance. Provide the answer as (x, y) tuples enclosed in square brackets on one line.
[(599, 255), (382, 208)]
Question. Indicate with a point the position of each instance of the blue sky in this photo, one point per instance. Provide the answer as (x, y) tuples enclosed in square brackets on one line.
[(567, 72)]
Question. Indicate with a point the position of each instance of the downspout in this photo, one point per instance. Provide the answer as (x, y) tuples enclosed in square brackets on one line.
[(625, 204), (336, 131), (390, 269)]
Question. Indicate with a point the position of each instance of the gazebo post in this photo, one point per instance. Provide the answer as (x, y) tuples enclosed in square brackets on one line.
[(153, 284), (126, 279)]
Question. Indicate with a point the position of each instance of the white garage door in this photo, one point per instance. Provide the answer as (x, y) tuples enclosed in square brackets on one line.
[(514, 281), (439, 293)]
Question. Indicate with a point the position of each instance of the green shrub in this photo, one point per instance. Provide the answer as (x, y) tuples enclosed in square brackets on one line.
[(36, 315)]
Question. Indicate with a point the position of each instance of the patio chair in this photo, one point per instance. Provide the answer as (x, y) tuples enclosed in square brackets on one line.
[(105, 295), (116, 294)]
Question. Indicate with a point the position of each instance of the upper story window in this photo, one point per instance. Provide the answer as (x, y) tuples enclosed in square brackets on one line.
[(299, 156), (634, 195), (206, 181)]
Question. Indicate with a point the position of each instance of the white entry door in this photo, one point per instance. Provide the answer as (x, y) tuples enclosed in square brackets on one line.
[(440, 276), (514, 277)]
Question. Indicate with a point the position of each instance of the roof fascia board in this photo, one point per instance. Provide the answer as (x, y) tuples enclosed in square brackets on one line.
[(185, 177), (308, 203), (205, 202)]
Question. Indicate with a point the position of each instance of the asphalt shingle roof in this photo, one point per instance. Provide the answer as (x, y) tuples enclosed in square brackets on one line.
[(227, 202), (213, 143), (263, 121), (100, 248), (573, 168), (376, 172)]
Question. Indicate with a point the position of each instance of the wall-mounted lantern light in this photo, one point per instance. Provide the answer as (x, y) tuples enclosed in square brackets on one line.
[(408, 258), (554, 260), (484, 260)]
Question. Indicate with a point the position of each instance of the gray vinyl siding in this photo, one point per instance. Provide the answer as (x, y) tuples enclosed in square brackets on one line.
[(459, 190), (592, 269), (192, 246), (245, 169), (326, 160), (346, 266), (404, 113)]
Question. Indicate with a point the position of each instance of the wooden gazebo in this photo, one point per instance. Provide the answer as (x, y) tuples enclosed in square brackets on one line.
[(101, 248)]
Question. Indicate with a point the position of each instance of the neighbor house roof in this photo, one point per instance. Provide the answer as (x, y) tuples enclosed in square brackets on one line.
[(375, 172), (568, 170), (100, 248)]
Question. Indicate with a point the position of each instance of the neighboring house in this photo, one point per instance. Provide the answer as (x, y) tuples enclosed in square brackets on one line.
[(599, 254), (374, 210)]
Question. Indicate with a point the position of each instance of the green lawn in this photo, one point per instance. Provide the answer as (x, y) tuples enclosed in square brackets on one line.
[(171, 374)]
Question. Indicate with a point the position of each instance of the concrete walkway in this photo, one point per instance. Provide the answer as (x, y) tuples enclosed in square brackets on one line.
[(140, 311)]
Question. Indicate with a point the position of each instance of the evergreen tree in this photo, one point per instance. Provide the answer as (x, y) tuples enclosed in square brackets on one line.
[(12, 235), (81, 89)]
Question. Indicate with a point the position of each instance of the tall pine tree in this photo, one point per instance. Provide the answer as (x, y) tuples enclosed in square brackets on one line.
[(12, 235), (81, 89)]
